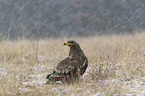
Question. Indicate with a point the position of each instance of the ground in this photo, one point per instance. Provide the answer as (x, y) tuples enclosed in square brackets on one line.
[(116, 66)]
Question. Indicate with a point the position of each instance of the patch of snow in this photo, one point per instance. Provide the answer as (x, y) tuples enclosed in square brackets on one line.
[(136, 87), (3, 71), (79, 88), (41, 58), (54, 88), (58, 82), (97, 94), (26, 89)]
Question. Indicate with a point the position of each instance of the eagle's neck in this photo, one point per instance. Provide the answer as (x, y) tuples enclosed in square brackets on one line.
[(75, 50)]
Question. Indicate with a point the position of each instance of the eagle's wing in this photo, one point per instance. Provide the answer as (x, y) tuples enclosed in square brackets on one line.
[(64, 70), (83, 66)]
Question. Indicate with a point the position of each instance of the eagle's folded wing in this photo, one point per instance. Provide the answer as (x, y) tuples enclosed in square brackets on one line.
[(64, 70)]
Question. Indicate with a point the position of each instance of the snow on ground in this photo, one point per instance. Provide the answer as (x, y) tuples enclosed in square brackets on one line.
[(135, 86), (38, 79)]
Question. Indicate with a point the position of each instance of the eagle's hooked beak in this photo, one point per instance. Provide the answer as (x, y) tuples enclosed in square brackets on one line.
[(66, 43)]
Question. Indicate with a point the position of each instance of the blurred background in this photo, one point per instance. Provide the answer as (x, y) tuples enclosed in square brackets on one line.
[(58, 18)]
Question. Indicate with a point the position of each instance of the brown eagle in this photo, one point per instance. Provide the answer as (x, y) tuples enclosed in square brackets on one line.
[(71, 67)]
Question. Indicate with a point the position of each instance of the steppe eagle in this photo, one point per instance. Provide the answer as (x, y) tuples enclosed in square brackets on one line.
[(71, 67)]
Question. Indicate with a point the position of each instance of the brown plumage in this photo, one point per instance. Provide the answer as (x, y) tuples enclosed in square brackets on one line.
[(72, 67)]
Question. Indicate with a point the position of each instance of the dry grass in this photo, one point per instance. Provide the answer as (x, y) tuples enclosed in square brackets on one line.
[(116, 66)]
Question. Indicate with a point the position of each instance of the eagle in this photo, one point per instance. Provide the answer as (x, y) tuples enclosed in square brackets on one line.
[(71, 67)]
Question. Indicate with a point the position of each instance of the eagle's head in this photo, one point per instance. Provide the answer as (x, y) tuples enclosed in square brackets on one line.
[(71, 43)]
